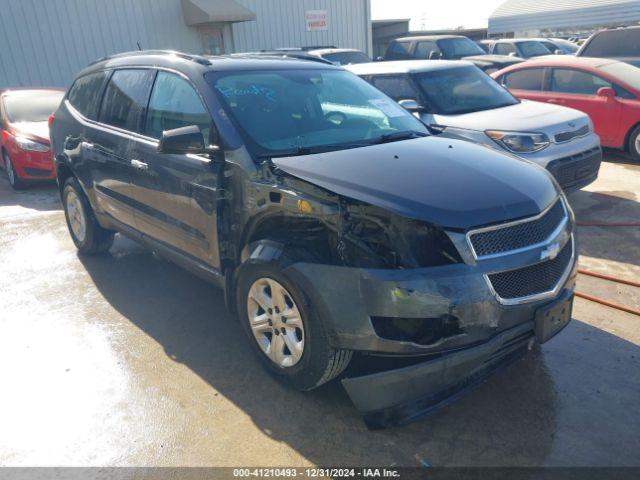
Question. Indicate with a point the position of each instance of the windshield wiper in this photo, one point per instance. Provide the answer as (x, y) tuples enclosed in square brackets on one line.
[(311, 150), (397, 136)]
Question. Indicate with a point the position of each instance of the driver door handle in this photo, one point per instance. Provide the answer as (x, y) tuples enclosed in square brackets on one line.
[(139, 165)]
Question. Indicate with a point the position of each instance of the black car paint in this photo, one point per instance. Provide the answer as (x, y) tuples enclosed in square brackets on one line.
[(484, 62), (209, 214)]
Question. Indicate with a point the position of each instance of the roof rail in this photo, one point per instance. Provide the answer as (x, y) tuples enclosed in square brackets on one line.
[(186, 56)]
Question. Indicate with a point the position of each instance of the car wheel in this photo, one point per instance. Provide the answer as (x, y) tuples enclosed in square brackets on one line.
[(14, 180), (634, 143), (284, 329), (88, 236)]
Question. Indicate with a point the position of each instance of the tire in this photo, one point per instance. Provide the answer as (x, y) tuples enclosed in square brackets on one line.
[(12, 175), (88, 236), (317, 361), (634, 144)]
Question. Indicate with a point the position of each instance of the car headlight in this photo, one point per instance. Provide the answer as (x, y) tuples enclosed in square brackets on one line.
[(26, 144), (519, 142)]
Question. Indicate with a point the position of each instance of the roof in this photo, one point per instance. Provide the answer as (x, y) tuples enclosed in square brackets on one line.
[(521, 15), (198, 64), (428, 37), (405, 66)]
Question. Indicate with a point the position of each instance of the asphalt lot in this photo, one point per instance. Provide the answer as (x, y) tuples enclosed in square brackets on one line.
[(126, 359)]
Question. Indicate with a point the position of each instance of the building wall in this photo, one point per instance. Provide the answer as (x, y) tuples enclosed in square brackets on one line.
[(526, 18), (46, 42), (281, 23)]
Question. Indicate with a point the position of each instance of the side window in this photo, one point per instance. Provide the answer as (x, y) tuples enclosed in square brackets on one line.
[(398, 87), (423, 49), (398, 51), (623, 92), (504, 49), (85, 93), (126, 98), (174, 104), (577, 82), (526, 79)]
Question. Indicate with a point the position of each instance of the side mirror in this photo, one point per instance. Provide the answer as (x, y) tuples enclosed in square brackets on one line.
[(411, 105), (379, 59), (557, 51), (607, 92), (184, 140), (433, 55), (512, 54)]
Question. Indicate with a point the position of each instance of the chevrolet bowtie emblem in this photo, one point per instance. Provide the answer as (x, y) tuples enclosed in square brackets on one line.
[(550, 252)]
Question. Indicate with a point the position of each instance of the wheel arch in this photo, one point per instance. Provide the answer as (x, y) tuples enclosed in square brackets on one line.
[(627, 136)]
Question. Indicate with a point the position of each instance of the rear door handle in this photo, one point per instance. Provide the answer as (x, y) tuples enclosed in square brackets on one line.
[(139, 165)]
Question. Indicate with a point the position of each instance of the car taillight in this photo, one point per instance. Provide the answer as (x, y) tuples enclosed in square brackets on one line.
[(51, 119)]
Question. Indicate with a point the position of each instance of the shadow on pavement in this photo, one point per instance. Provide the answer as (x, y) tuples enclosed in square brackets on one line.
[(42, 196), (509, 420)]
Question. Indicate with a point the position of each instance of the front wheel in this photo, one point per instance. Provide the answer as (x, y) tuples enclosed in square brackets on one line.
[(14, 180), (88, 236), (634, 143), (284, 329)]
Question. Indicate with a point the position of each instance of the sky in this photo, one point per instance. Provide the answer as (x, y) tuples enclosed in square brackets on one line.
[(436, 14)]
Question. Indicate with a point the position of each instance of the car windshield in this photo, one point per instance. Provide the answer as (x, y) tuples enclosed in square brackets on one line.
[(455, 48), (462, 90), (346, 58), (533, 49), (625, 72), (295, 112), (566, 45), (31, 106)]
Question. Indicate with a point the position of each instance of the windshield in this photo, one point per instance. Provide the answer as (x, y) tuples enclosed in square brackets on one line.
[(625, 72), (293, 112), (455, 48), (566, 45), (462, 90), (31, 106), (533, 49), (346, 58)]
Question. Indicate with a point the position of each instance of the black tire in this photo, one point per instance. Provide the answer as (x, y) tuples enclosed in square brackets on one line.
[(634, 144), (319, 362), (12, 175), (96, 239)]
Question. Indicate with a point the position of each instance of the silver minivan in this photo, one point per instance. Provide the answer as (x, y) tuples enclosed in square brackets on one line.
[(458, 100)]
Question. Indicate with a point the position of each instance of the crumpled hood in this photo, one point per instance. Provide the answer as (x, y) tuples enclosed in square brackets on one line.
[(521, 117), (38, 131), (451, 183)]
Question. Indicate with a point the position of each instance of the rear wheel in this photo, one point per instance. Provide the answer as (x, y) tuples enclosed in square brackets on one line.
[(88, 236), (14, 180), (284, 329), (634, 143)]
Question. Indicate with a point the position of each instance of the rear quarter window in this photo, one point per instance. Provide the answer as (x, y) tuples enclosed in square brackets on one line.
[(85, 93)]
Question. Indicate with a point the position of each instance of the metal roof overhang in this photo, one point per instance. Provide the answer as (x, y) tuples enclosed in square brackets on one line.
[(201, 12)]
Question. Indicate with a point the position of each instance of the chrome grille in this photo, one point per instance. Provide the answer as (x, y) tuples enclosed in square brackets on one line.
[(534, 279), (500, 239), (566, 136)]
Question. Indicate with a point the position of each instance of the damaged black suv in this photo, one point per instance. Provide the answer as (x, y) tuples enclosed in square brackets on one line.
[(340, 230)]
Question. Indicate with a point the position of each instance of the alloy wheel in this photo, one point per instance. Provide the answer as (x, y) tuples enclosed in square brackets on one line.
[(76, 214), (276, 322)]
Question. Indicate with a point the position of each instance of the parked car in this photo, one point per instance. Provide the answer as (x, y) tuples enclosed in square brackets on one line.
[(607, 90), (559, 46), (622, 44), (24, 134), (457, 99), (517, 47), (335, 225), (446, 47)]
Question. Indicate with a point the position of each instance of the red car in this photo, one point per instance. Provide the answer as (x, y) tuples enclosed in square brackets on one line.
[(607, 90), (24, 134)]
